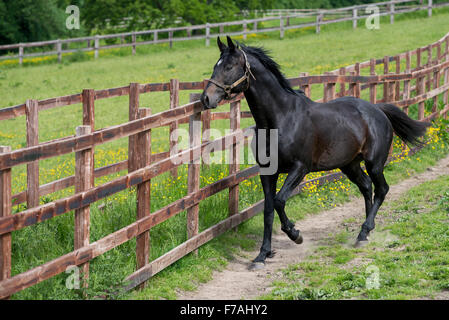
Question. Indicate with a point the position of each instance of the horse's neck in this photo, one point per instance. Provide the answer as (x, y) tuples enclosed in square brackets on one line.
[(268, 101)]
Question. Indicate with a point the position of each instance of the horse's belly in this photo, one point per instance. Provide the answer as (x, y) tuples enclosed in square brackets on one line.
[(335, 155)]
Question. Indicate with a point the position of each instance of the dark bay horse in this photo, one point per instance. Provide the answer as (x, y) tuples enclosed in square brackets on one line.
[(311, 136)]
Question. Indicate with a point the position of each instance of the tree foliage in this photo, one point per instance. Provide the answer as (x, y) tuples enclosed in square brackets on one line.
[(30, 20)]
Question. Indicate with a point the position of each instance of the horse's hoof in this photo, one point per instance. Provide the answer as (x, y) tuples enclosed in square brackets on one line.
[(361, 243), (299, 239), (256, 266)]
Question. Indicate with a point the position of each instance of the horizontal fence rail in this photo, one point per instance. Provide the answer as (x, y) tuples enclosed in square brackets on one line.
[(419, 76), (281, 19)]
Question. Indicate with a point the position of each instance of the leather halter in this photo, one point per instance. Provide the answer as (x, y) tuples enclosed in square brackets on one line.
[(228, 88)]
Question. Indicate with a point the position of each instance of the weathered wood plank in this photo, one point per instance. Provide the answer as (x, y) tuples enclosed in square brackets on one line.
[(5, 210), (32, 129), (83, 182), (174, 102), (143, 194), (373, 86), (234, 157), (89, 120), (133, 115), (193, 175)]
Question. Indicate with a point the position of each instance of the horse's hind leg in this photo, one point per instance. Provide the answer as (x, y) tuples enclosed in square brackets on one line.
[(375, 171), (355, 173), (294, 177)]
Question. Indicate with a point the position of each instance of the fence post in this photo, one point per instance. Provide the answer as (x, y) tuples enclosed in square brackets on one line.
[(32, 127), (329, 89), (354, 18), (319, 18), (391, 13), (429, 9), (133, 115), (5, 210), (143, 194), (420, 89), (357, 84), (207, 35), (83, 182), (89, 119), (133, 39), (193, 178), (255, 26), (446, 93), (96, 46), (234, 157), (155, 36), (397, 84), (428, 65), (406, 93), (245, 30), (170, 39), (174, 102), (20, 54), (59, 50), (372, 86), (353, 85), (386, 71), (342, 92), (206, 119), (446, 78), (281, 27), (418, 58), (306, 87), (436, 84), (89, 108)]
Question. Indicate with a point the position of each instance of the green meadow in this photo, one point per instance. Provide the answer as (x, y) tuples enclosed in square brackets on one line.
[(300, 51)]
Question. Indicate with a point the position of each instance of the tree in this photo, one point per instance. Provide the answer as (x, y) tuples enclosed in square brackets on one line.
[(30, 20)]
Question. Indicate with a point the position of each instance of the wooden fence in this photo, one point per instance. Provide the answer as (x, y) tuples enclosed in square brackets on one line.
[(428, 79), (210, 30)]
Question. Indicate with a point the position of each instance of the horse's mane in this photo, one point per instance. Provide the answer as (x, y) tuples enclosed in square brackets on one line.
[(263, 55)]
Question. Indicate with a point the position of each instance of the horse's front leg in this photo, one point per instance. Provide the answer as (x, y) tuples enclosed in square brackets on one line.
[(294, 177), (269, 189)]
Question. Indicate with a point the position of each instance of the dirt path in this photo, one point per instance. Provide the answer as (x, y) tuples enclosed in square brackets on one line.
[(237, 282)]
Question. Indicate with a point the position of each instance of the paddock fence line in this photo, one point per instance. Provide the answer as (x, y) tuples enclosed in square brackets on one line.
[(408, 80), (281, 22)]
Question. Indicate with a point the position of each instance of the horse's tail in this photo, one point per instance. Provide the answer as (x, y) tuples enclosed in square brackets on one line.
[(407, 129)]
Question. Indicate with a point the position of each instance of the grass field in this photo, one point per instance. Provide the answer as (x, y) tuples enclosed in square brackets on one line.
[(300, 51)]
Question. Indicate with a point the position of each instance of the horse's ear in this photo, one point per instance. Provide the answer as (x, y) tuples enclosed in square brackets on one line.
[(221, 45), (231, 44)]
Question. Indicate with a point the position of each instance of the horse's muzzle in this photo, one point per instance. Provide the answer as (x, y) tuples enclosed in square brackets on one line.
[(209, 102)]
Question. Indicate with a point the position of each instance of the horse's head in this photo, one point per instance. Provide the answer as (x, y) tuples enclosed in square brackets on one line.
[(231, 75)]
